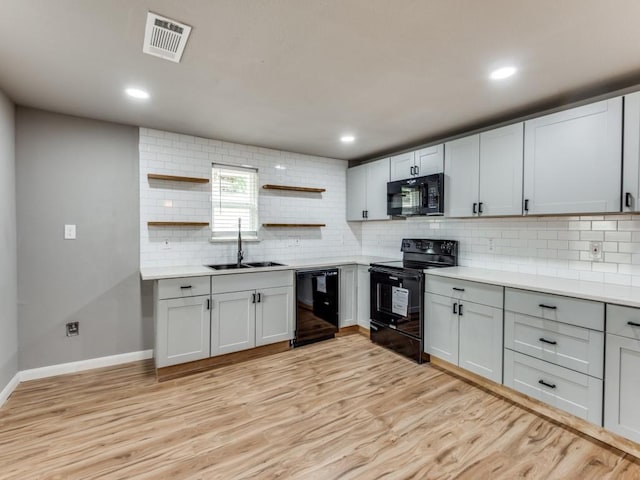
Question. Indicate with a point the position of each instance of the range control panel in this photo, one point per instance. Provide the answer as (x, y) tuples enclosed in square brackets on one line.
[(434, 247)]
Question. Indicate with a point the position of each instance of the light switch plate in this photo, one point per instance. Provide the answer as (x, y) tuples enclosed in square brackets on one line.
[(69, 232)]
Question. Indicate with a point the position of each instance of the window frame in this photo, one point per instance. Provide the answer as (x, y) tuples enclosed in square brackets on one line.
[(232, 236)]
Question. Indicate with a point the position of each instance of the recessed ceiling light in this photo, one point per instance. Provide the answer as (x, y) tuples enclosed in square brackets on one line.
[(347, 138), (137, 93), (503, 72)]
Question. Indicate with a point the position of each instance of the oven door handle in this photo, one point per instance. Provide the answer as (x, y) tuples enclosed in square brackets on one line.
[(395, 273)]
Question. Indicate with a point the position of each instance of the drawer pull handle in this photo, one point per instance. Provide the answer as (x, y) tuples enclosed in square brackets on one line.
[(458, 289), (633, 324), (550, 307), (550, 342), (185, 287), (550, 385)]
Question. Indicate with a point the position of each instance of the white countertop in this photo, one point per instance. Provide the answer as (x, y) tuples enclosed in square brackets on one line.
[(601, 292), (181, 271)]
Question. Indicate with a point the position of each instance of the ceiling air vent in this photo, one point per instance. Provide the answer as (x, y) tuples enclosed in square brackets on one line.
[(165, 38)]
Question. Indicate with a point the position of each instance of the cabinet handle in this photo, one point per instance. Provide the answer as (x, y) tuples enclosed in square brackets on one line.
[(526, 204), (550, 342), (480, 207), (259, 297), (416, 170), (208, 304), (455, 308), (458, 289), (550, 385), (185, 287), (411, 170), (627, 200), (366, 214), (253, 298), (460, 309), (550, 307), (475, 207), (362, 213), (633, 324)]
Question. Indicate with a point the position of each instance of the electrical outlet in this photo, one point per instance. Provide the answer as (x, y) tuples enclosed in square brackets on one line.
[(296, 241), (73, 329), (69, 232), (166, 244), (290, 242), (595, 249), (491, 245)]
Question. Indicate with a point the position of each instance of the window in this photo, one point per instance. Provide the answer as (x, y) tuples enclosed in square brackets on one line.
[(234, 195)]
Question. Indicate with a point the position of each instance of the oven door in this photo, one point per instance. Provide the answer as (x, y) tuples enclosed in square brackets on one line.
[(397, 300)]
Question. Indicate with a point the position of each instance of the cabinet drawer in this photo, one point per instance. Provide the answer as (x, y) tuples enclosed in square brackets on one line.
[(251, 281), (183, 287), (573, 392), (574, 311), (620, 321), (481, 293), (569, 346)]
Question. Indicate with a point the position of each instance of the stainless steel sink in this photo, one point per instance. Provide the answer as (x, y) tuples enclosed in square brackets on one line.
[(234, 266), (229, 266), (265, 264)]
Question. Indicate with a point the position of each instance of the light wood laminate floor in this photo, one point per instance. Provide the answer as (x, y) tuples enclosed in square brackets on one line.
[(338, 409)]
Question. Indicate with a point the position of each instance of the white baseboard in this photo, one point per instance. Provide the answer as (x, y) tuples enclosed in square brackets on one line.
[(8, 390), (73, 367)]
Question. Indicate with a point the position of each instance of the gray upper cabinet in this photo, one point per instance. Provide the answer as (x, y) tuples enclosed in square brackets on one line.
[(462, 173), (501, 159), (367, 191), (484, 173), (572, 160), (425, 161), (402, 166), (631, 177)]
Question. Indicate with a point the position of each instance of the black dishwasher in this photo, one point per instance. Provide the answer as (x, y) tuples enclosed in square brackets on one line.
[(316, 305)]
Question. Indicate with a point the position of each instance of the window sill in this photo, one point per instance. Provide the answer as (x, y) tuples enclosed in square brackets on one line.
[(234, 239)]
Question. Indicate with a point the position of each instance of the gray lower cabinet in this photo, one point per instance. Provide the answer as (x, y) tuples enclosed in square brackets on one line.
[(232, 322), (568, 390), (250, 310), (363, 310), (554, 350), (463, 332), (622, 386), (348, 295), (182, 324)]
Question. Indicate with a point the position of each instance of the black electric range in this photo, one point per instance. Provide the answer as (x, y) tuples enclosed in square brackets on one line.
[(397, 294)]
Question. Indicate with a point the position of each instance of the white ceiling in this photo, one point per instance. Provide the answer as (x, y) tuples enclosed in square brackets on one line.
[(296, 74)]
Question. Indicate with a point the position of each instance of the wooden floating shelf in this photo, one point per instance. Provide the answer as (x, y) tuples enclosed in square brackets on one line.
[(177, 224), (294, 189), (174, 178), (294, 225)]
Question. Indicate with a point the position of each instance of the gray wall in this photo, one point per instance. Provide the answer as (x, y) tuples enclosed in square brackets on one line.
[(84, 172), (8, 277)]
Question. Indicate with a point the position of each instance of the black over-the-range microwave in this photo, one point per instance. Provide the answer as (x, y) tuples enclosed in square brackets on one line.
[(416, 196)]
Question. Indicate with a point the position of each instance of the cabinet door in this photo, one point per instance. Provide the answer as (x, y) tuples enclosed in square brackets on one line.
[(356, 192), (461, 181), (274, 315), (480, 341), (631, 163), (348, 295), (402, 166), (363, 295), (572, 160), (233, 322), (430, 160), (622, 387), (441, 328), (182, 330), (377, 179), (501, 158)]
